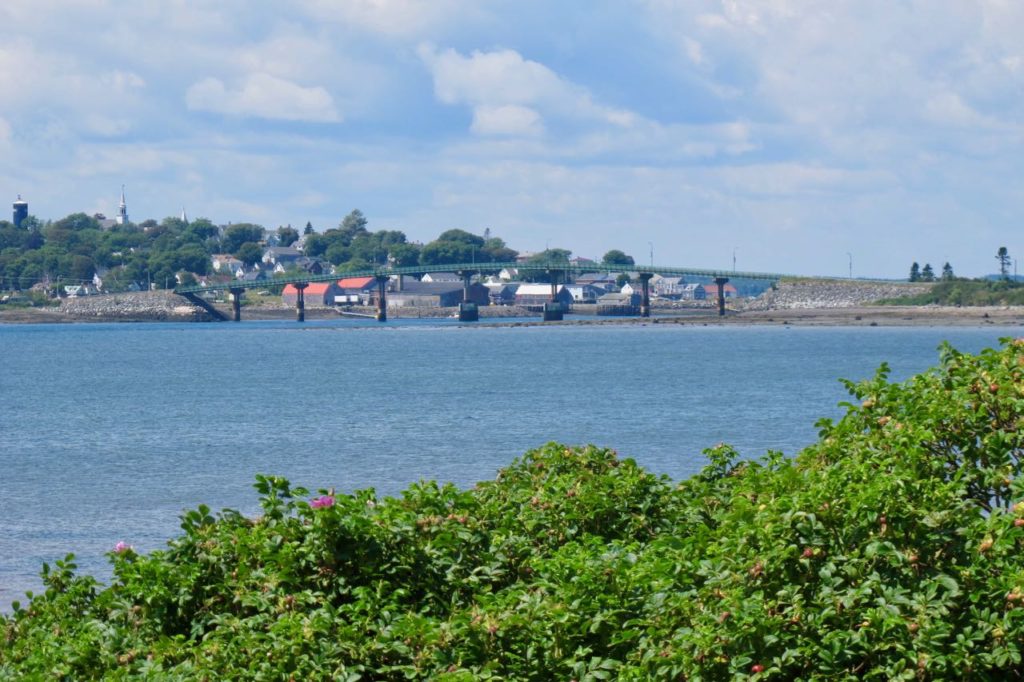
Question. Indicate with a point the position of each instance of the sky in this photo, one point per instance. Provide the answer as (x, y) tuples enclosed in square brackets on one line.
[(813, 137)]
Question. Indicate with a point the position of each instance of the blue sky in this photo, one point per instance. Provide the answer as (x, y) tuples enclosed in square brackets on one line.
[(795, 134)]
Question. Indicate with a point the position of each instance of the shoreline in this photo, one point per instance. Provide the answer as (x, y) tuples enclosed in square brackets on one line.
[(860, 316)]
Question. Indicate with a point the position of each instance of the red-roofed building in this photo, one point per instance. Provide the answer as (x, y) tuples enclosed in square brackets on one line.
[(316, 294), (709, 292), (358, 290), (359, 283)]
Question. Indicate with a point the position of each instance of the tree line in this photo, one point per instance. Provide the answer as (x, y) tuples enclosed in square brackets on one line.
[(75, 248), (926, 274)]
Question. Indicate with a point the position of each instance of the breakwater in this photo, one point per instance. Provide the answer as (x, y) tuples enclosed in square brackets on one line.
[(808, 294), (149, 306)]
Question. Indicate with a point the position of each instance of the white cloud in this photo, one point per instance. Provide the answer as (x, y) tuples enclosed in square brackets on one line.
[(949, 108), (106, 126), (695, 51), (122, 81), (395, 18), (507, 119), (264, 96), (850, 64), (507, 91)]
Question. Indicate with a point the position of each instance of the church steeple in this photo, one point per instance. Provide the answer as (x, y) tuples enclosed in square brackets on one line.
[(122, 211), (184, 218)]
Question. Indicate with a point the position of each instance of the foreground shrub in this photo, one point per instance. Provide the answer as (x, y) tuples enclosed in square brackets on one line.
[(891, 549)]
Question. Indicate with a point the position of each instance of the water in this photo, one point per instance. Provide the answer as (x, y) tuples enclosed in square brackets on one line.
[(109, 432)]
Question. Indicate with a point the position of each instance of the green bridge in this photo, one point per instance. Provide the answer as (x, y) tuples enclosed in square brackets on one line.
[(555, 272)]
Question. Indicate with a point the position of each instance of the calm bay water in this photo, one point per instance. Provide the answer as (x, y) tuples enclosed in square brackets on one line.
[(109, 432)]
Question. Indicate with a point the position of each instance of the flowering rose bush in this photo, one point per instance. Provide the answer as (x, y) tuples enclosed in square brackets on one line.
[(890, 549)]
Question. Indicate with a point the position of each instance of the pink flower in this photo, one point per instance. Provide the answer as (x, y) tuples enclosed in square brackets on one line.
[(322, 501), (122, 547)]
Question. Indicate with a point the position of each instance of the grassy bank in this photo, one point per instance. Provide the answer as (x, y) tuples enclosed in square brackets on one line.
[(891, 549), (966, 292)]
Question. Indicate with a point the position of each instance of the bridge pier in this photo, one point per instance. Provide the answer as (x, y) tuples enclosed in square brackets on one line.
[(468, 311), (382, 298), (236, 303), (721, 282), (300, 301), (645, 302), (553, 311)]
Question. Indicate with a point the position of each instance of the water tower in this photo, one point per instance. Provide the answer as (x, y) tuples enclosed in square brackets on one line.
[(20, 211)]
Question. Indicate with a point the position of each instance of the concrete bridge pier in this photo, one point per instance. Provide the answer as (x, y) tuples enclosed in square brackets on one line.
[(300, 301), (645, 302), (721, 282), (553, 311), (382, 298), (468, 311), (236, 304)]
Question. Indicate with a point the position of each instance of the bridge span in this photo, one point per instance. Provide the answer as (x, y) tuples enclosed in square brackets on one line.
[(554, 272)]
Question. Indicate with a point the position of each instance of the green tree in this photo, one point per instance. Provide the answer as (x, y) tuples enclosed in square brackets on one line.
[(554, 256), (927, 274), (404, 255), (239, 234), (352, 225), (249, 253), (1003, 257), (915, 272), (35, 238), (354, 264), (497, 251), (76, 222), (617, 257), (81, 269), (193, 258), (461, 236), (287, 235), (308, 229), (316, 245), (32, 223), (947, 273), (174, 225), (338, 253), (446, 253), (201, 230)]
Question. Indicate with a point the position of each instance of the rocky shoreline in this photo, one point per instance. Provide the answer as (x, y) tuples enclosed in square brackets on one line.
[(819, 294), (799, 304)]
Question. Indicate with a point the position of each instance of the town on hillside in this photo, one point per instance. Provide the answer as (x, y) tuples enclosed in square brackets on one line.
[(85, 255)]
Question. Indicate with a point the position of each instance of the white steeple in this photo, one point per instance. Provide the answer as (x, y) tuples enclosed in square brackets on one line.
[(184, 218), (122, 211)]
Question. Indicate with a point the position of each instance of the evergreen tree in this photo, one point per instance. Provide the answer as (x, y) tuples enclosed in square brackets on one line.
[(915, 272), (927, 274), (309, 228), (947, 273), (1003, 256), (353, 225)]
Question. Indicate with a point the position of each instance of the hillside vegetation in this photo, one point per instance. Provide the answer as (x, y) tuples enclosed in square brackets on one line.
[(966, 292), (890, 549)]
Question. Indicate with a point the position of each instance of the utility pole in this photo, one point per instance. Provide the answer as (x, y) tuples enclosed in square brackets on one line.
[(651, 244), (734, 259), (850, 256)]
